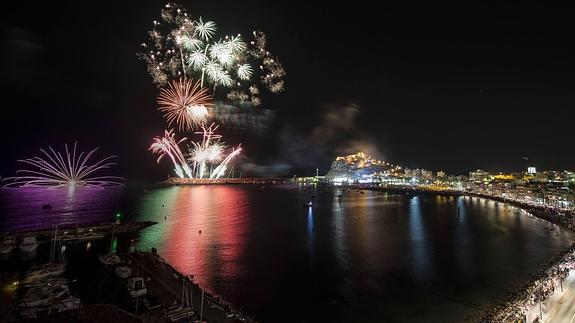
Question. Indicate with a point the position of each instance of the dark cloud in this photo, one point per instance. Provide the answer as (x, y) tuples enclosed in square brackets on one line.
[(277, 169)]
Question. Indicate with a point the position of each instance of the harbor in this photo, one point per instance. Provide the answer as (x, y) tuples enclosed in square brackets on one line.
[(82, 232), (97, 266), (180, 298)]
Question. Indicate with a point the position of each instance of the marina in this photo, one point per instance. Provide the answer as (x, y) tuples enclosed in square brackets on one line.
[(145, 285), (73, 233)]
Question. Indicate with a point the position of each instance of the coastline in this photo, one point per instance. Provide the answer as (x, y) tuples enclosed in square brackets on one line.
[(515, 305), (562, 218)]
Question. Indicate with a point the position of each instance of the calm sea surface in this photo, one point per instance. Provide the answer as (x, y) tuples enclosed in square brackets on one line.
[(370, 257)]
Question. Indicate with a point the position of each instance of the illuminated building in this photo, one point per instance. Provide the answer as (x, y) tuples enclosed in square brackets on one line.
[(361, 168), (479, 175), (426, 174)]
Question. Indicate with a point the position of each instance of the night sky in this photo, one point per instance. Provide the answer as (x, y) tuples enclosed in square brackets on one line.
[(450, 88)]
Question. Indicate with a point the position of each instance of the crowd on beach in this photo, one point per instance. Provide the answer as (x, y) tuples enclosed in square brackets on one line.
[(554, 214), (563, 218), (544, 283)]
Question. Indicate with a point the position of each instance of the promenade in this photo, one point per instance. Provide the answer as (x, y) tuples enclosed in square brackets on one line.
[(172, 288), (560, 306)]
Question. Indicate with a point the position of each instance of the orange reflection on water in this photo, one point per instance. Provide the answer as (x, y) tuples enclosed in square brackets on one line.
[(206, 232)]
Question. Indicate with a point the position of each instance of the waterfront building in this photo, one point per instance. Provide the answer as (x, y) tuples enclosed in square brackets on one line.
[(426, 174), (479, 175), (361, 168)]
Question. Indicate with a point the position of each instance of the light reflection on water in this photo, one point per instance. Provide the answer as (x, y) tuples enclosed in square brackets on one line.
[(24, 208), (359, 257), (372, 253), (201, 231)]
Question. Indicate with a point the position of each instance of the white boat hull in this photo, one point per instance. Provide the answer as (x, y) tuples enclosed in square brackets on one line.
[(29, 247), (48, 271)]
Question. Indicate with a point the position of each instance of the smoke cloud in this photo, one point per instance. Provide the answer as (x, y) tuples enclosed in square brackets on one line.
[(337, 133), (246, 118)]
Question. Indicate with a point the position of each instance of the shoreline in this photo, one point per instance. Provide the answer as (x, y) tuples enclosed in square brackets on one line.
[(517, 302), (562, 218)]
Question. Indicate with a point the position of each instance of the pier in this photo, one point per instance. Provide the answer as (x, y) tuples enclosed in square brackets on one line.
[(213, 181), (181, 299), (83, 232)]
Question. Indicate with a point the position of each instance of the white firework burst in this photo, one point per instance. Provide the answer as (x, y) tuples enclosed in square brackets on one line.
[(235, 44), (222, 53), (197, 60), (55, 169), (205, 30), (244, 72), (223, 78), (212, 69), (215, 152), (190, 43), (168, 146)]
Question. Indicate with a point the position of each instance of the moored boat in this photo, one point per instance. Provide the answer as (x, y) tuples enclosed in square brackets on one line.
[(109, 259), (48, 270), (45, 294), (123, 271), (7, 245), (28, 244)]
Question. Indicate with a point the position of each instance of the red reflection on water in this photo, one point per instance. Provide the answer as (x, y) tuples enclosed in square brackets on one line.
[(212, 254)]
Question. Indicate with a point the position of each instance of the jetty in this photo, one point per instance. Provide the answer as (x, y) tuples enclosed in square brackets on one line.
[(179, 296), (214, 181), (84, 232)]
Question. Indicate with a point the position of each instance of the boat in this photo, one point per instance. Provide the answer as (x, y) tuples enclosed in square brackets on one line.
[(47, 300), (45, 294), (28, 244), (7, 245), (109, 259), (49, 270), (52, 281), (70, 303), (308, 204), (137, 287), (46, 206), (123, 271), (81, 234)]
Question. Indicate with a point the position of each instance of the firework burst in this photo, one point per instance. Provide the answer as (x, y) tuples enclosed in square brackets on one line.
[(167, 145), (180, 46), (220, 170), (68, 169), (185, 103)]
